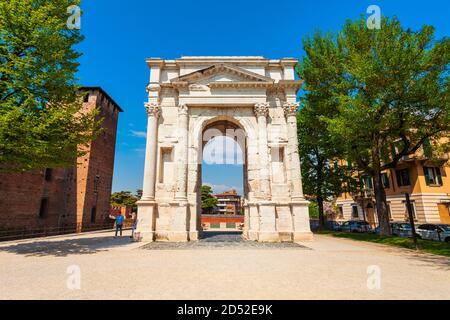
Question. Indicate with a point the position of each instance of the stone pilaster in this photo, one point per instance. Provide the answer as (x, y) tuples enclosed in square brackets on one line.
[(299, 206), (148, 191), (179, 227), (147, 205), (290, 111), (262, 111), (183, 149)]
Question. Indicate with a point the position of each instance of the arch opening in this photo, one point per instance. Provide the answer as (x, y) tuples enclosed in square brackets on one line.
[(223, 176)]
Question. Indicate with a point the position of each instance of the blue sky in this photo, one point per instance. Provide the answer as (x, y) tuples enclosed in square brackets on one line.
[(119, 35)]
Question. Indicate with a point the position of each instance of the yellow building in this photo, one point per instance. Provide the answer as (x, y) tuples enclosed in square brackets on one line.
[(427, 181)]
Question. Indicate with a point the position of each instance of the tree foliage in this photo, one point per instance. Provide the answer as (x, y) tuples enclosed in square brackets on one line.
[(41, 124), (322, 176), (125, 198), (208, 200), (390, 88)]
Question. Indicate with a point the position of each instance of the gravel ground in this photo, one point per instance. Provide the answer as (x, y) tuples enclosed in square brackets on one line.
[(327, 268)]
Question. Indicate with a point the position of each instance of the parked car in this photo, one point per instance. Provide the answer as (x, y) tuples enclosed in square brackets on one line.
[(355, 226), (436, 232), (333, 225), (401, 229)]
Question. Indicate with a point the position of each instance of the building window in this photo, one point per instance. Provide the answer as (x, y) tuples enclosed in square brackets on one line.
[(385, 180), (403, 177), (413, 208), (433, 176), (86, 97), (96, 183), (340, 212), (368, 184), (48, 174), (93, 214), (355, 213), (43, 209)]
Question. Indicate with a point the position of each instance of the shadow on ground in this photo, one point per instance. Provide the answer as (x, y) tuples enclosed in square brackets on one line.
[(65, 247), (436, 261), (221, 236)]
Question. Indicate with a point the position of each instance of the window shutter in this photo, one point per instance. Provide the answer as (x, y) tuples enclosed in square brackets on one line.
[(439, 176), (399, 178), (407, 178), (428, 175)]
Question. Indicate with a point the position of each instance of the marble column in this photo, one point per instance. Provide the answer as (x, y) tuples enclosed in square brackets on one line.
[(262, 111), (153, 111), (146, 205), (179, 229), (266, 215), (183, 149), (290, 111), (299, 206)]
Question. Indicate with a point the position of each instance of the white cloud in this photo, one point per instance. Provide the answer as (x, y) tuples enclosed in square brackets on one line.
[(138, 134)]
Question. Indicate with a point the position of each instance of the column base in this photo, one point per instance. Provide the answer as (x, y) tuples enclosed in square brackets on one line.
[(145, 221), (178, 236), (285, 236), (252, 236), (268, 237), (303, 236), (193, 235), (144, 236)]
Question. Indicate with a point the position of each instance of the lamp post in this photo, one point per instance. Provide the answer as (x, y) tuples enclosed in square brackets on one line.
[(411, 219)]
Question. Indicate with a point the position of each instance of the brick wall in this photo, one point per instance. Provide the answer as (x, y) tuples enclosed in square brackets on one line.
[(66, 196)]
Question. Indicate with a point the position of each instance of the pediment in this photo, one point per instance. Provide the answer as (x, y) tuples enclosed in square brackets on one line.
[(222, 73)]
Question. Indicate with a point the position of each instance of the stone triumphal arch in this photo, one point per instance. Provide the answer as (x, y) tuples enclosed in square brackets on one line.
[(251, 98)]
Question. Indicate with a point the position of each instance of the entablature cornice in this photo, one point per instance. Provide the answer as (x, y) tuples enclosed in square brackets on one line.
[(281, 85)]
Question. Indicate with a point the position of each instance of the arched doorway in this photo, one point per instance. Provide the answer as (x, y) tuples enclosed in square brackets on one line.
[(223, 172)]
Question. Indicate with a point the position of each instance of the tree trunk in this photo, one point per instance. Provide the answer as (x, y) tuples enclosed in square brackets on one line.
[(381, 204), (321, 214)]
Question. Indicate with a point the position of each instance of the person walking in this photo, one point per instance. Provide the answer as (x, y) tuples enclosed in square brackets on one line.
[(119, 224)]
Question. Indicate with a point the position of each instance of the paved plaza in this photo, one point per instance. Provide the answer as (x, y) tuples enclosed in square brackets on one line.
[(218, 267)]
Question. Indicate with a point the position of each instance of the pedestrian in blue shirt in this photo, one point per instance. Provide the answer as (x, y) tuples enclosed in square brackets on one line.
[(119, 224)]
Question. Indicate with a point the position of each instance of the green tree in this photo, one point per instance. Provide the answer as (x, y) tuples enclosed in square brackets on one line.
[(124, 198), (41, 124), (391, 90), (208, 200), (322, 176)]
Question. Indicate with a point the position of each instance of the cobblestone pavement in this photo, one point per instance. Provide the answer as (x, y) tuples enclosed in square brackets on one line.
[(221, 240), (217, 267)]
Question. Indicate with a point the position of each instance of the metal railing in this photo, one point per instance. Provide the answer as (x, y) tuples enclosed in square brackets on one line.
[(26, 233)]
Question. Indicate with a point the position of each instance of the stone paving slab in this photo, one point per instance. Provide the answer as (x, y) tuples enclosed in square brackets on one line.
[(227, 245), (221, 240)]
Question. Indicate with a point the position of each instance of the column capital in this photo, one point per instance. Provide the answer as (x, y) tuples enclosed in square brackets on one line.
[(290, 108), (153, 109), (261, 109), (183, 109)]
